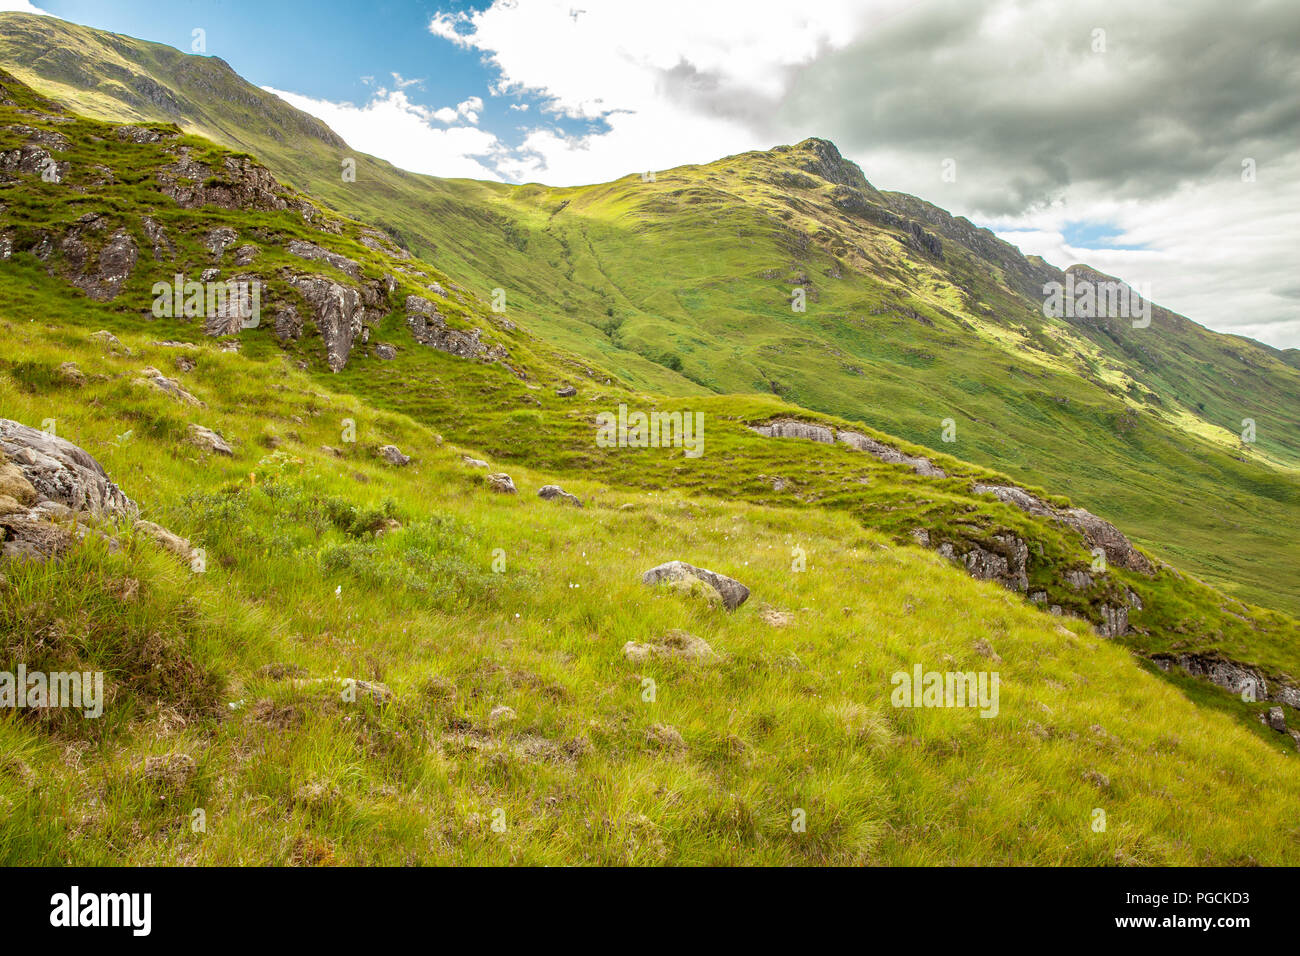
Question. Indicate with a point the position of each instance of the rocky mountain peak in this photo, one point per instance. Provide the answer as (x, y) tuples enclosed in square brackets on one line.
[(822, 158)]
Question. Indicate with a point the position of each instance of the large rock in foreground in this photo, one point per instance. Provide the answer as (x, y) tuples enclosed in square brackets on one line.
[(732, 591), (59, 471), (45, 480)]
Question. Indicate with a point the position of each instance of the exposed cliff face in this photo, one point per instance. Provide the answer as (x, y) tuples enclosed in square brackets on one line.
[(346, 282), (1096, 532)]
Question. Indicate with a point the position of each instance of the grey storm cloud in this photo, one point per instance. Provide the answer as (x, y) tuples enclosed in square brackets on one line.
[(1017, 95)]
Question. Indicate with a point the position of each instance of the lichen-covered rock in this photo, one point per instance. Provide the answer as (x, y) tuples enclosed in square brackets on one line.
[(566, 391), (502, 483), (56, 470), (733, 593), (555, 492), (45, 483), (209, 440), (393, 455)]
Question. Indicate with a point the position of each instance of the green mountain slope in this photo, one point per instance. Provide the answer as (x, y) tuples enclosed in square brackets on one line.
[(683, 286), (376, 661)]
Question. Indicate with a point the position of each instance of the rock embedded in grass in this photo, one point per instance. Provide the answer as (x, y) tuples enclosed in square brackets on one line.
[(393, 455), (209, 440), (566, 391), (733, 593), (501, 482), (675, 644), (550, 492), (167, 540), (151, 376)]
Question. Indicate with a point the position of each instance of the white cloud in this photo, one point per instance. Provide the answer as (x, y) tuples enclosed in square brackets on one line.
[(393, 128), (638, 69), (20, 6)]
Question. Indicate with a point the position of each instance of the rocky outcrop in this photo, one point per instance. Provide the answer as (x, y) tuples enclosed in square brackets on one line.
[(157, 236), (1005, 561), (96, 261), (429, 327), (1242, 680), (218, 239), (240, 183), (137, 134), (31, 159), (338, 312), (314, 253), (1114, 620), (287, 324), (826, 435), (733, 593), (792, 428), (890, 455), (237, 307), (1096, 532)]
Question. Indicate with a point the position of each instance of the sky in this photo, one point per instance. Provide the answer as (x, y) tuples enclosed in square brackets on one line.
[(1156, 141)]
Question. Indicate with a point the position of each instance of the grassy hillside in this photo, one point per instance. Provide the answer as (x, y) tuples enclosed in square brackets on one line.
[(682, 286), (494, 715), (794, 714)]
